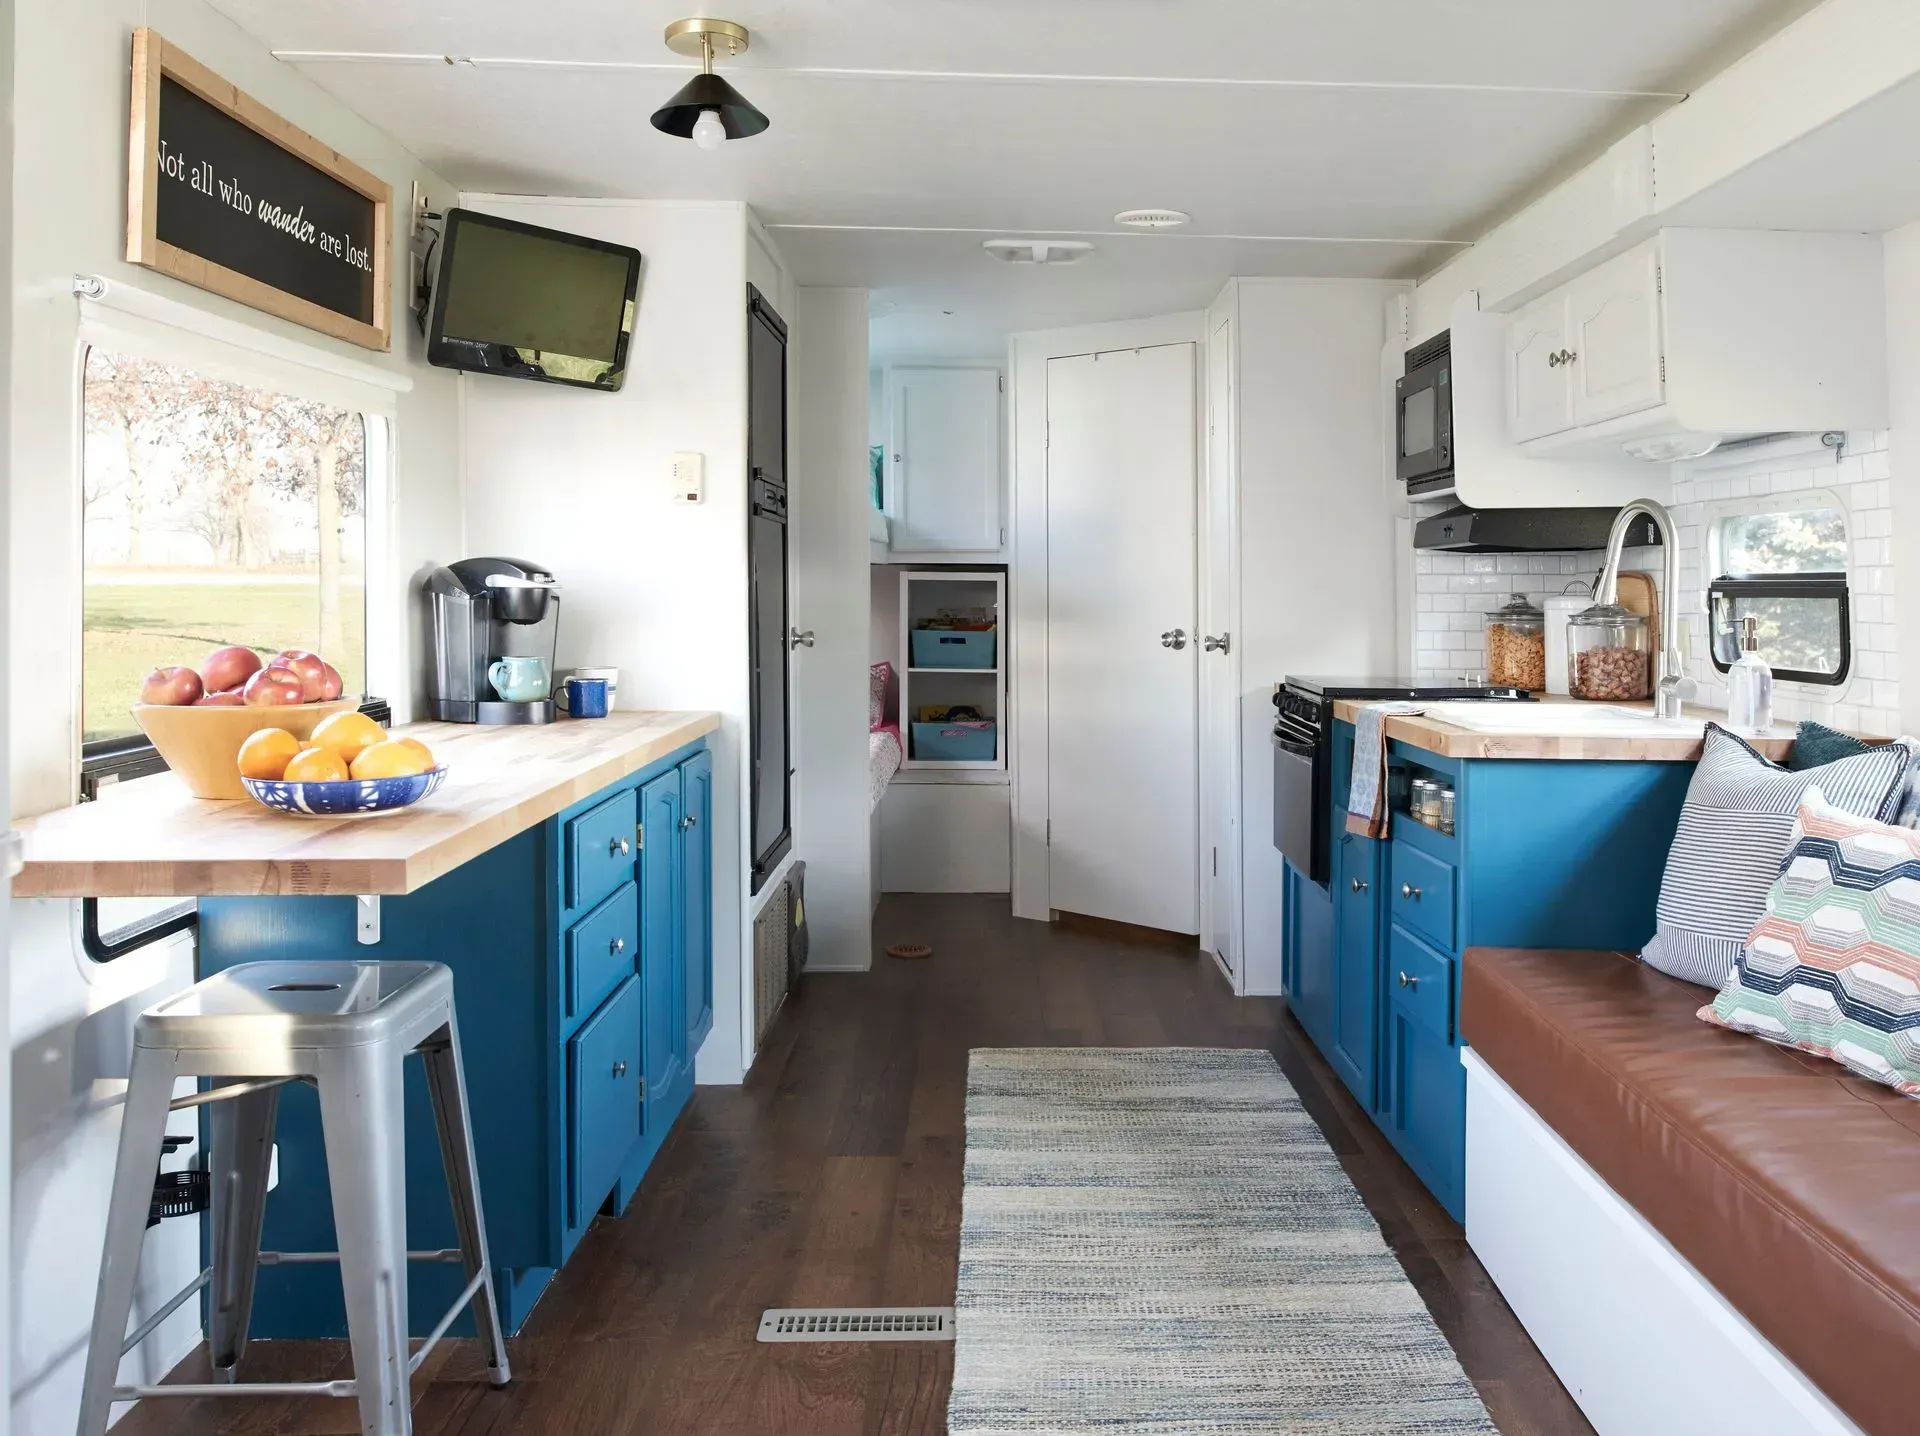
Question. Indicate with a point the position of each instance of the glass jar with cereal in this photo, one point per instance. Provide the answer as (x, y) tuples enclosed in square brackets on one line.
[(1517, 646)]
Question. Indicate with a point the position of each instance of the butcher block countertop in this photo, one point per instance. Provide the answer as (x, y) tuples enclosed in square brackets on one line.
[(152, 838), (1449, 740)]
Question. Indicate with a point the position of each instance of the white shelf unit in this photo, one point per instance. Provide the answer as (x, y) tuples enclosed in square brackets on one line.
[(924, 595)]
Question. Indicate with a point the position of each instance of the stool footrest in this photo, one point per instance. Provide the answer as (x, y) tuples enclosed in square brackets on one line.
[(297, 1258), (245, 1388), (229, 1091)]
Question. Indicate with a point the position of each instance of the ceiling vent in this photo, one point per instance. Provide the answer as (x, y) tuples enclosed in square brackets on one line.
[(1152, 218), (1039, 251)]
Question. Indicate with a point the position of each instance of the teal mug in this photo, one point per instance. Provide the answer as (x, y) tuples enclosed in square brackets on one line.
[(520, 679)]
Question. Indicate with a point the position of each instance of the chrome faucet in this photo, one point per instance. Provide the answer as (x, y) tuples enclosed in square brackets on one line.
[(1671, 686)]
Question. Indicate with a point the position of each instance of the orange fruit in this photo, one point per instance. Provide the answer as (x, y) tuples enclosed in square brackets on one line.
[(316, 765), (266, 753), (394, 758), (417, 746), (348, 734)]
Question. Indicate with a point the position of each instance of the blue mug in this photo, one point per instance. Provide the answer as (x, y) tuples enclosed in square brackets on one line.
[(584, 698)]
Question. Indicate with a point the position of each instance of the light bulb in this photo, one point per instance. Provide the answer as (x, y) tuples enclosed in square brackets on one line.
[(708, 132)]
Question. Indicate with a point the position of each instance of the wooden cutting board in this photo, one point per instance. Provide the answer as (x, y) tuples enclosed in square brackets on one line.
[(1638, 595)]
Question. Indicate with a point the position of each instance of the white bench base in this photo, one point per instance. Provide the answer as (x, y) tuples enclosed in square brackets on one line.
[(1634, 1332)]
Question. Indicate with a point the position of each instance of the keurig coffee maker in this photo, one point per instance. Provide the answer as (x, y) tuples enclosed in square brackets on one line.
[(495, 624)]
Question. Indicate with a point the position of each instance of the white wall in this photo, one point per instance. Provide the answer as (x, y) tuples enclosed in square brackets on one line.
[(1317, 549), (582, 482), (827, 532), (1903, 467), (70, 1020)]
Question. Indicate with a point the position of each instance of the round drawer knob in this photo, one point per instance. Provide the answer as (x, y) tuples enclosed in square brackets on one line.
[(619, 1069), (617, 946), (618, 847), (1410, 892), (1409, 981), (1359, 886), (689, 821)]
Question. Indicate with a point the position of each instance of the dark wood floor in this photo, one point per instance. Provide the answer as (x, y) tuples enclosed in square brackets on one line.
[(832, 1178)]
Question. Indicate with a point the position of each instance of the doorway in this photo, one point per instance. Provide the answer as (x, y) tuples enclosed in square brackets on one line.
[(1123, 840)]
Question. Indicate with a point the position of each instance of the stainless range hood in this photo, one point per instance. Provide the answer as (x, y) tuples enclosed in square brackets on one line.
[(1465, 530)]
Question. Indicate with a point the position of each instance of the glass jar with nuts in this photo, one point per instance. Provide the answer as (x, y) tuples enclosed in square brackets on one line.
[(1517, 646), (1609, 655)]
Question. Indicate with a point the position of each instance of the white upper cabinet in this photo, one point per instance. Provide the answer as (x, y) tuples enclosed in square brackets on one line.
[(943, 461), (1698, 336), (1614, 354), (1539, 401)]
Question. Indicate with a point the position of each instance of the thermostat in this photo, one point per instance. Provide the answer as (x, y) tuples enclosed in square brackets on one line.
[(689, 478)]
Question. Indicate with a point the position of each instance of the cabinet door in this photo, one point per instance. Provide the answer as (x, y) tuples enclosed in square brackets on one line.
[(696, 896), (1356, 984), (664, 1033), (1615, 338), (603, 1075), (1310, 924), (944, 468), (1424, 1106), (1539, 389)]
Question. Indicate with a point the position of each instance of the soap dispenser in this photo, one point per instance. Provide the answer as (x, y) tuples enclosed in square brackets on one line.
[(1750, 684)]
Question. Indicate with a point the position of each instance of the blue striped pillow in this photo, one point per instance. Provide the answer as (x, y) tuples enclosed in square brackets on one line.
[(1733, 835)]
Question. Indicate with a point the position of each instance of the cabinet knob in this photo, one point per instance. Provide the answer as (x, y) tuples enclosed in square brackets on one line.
[(617, 946), (620, 1068), (1407, 980), (1410, 892), (619, 847), (1359, 886), (690, 821)]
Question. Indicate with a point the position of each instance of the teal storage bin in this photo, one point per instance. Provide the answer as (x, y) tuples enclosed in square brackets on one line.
[(951, 648), (956, 742)]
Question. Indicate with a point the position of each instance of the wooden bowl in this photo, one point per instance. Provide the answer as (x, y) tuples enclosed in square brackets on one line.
[(202, 745)]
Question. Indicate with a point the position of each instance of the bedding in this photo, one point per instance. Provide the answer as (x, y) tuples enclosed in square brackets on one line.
[(884, 755)]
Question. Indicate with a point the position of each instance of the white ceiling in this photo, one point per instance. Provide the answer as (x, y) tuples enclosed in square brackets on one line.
[(1315, 137)]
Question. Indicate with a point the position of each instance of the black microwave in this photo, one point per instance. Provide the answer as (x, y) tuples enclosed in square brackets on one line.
[(1423, 418)]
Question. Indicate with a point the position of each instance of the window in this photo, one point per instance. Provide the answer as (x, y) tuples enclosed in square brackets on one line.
[(1785, 566), (214, 512)]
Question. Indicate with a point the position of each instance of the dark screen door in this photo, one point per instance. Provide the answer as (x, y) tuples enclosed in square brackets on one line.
[(770, 747)]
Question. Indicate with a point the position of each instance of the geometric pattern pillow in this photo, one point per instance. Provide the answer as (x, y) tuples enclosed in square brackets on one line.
[(1733, 834), (1834, 966)]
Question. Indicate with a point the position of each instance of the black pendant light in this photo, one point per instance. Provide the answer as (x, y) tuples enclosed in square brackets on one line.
[(708, 110)]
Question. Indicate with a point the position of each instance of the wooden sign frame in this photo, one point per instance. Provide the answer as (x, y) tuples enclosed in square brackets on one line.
[(154, 58)]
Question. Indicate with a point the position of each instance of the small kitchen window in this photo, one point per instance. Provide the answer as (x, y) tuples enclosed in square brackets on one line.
[(1783, 563)]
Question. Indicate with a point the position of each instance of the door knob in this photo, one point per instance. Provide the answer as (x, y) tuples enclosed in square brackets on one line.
[(1410, 892), (619, 1069), (1359, 886), (1175, 638), (1409, 981), (801, 638), (688, 821), (617, 946), (1222, 644), (618, 847)]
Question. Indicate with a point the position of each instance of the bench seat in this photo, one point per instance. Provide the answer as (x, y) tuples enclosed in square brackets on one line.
[(1790, 1185)]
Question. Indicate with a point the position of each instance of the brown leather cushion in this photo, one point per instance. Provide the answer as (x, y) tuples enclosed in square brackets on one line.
[(1792, 1186)]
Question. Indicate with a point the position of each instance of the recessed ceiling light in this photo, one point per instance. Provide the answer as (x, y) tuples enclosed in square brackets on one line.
[(1039, 251), (1153, 218)]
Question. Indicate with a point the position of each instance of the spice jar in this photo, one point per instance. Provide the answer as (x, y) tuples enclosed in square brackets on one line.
[(1517, 646), (1609, 655)]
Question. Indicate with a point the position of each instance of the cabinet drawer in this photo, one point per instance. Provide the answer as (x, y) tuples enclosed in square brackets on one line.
[(601, 948), (603, 1081), (1421, 894), (600, 849), (1420, 983)]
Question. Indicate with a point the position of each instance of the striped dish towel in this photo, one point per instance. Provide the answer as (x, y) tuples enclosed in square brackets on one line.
[(1367, 801)]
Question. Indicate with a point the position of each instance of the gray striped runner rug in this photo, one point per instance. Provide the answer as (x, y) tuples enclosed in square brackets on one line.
[(1158, 1241)]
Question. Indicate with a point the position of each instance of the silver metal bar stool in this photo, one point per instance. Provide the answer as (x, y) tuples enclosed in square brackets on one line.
[(345, 1027)]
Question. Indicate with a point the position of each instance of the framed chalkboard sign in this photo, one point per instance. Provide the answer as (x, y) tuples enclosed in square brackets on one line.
[(226, 195)]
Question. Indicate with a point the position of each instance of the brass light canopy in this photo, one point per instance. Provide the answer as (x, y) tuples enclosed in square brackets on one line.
[(708, 110)]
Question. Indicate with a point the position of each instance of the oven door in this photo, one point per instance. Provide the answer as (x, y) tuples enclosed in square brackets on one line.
[(1424, 422), (1293, 801)]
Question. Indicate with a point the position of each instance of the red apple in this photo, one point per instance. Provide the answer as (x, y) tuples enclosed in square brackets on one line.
[(312, 672), (229, 668), (173, 686), (273, 688), (229, 699), (332, 685)]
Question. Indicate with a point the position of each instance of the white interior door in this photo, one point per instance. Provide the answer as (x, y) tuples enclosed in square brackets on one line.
[(1220, 669), (1122, 762)]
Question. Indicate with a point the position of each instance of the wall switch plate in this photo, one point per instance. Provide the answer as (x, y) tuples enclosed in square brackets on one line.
[(689, 478)]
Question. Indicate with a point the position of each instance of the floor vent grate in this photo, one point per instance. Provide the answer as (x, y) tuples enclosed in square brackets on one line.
[(858, 1323)]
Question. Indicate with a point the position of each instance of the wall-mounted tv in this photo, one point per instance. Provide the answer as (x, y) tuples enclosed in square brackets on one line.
[(531, 303)]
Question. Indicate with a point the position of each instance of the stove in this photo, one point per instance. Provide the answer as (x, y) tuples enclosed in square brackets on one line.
[(1303, 753)]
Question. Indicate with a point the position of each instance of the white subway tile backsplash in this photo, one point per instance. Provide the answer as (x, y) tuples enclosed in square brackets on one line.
[(1462, 587)]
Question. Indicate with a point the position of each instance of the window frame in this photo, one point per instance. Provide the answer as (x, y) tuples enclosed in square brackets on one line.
[(1835, 585)]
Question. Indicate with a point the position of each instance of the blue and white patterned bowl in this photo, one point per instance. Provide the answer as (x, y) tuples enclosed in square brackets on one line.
[(350, 797)]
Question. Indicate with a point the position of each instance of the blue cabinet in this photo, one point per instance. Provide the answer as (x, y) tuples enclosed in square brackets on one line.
[(582, 958), (1545, 854)]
